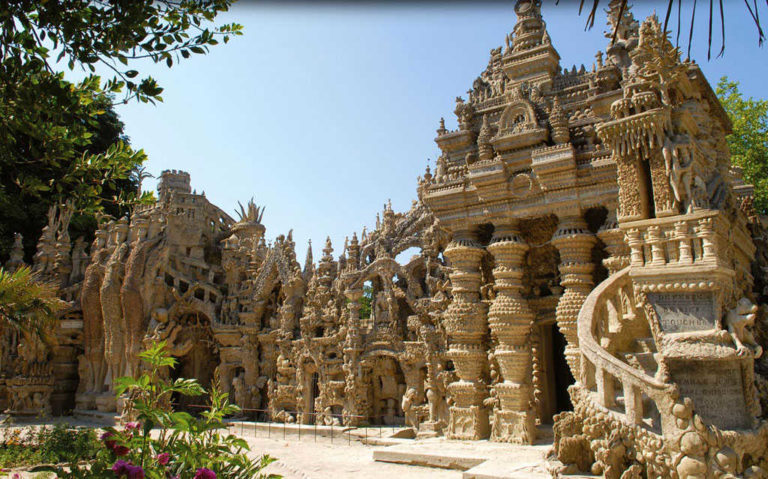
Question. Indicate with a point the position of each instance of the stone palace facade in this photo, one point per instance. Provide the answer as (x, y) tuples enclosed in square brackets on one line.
[(586, 257)]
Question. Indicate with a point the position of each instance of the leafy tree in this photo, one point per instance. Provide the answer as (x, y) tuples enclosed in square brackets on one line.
[(749, 141), (60, 140), (366, 301)]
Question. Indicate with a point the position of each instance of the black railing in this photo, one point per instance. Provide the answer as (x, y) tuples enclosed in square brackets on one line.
[(276, 426)]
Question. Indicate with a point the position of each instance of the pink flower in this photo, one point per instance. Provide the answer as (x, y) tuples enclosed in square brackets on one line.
[(204, 473), (163, 458), (134, 472), (119, 467), (107, 442), (120, 451), (132, 426), (16, 476), (122, 468)]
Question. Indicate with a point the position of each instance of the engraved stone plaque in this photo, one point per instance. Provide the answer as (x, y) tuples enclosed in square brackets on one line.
[(681, 312), (717, 391)]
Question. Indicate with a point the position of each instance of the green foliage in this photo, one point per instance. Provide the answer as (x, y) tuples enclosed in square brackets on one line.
[(166, 443), (749, 141), (61, 141), (365, 301), (26, 304), (85, 33), (47, 445)]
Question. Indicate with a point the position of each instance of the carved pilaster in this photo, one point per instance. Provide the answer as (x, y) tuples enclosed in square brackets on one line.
[(615, 245), (574, 241), (466, 325), (510, 319)]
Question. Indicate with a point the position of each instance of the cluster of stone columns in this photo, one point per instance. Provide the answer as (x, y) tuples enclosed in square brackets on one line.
[(508, 321)]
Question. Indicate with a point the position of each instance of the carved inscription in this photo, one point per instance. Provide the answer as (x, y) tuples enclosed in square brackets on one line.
[(717, 390), (681, 312)]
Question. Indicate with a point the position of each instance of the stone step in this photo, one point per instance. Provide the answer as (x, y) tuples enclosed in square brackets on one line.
[(418, 456), (507, 469), (462, 455)]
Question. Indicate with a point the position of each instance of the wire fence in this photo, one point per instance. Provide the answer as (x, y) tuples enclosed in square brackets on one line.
[(263, 423)]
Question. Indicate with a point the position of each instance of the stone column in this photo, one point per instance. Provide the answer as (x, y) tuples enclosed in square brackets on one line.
[(574, 241), (466, 325), (510, 319), (353, 347), (617, 248)]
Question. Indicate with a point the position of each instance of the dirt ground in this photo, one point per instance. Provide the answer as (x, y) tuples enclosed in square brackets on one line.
[(307, 459)]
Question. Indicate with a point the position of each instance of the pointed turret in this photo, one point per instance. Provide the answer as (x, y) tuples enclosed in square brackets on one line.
[(531, 54), (559, 123), (623, 32), (530, 29), (484, 141), (354, 251), (308, 261)]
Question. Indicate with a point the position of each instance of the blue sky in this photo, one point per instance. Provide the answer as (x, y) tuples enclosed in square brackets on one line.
[(324, 112)]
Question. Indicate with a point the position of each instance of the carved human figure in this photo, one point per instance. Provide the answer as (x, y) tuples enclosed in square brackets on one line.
[(112, 311), (408, 403)]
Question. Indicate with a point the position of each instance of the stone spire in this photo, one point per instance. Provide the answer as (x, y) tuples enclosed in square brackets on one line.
[(530, 56), (354, 251), (621, 21), (530, 29), (484, 140), (559, 123), (308, 261), (327, 257)]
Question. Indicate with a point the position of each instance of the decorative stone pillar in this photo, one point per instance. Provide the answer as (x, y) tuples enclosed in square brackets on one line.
[(574, 241), (353, 347), (466, 325), (510, 320)]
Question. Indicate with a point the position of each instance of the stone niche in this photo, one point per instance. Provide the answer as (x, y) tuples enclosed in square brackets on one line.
[(716, 388), (685, 312)]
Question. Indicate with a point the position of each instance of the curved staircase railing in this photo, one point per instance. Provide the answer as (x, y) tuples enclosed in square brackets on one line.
[(601, 371)]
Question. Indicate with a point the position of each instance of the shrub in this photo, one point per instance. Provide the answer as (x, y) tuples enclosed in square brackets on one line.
[(47, 445), (163, 443)]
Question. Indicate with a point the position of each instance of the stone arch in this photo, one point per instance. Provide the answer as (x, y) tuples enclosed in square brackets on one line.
[(518, 115), (196, 352)]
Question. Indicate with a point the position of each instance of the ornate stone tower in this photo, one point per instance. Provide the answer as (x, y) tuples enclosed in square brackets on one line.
[(173, 181)]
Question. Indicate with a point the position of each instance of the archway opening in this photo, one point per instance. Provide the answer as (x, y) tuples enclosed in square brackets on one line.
[(387, 386), (556, 374), (561, 372), (197, 359)]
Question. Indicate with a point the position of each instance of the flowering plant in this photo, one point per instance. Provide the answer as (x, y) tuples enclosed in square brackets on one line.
[(166, 444)]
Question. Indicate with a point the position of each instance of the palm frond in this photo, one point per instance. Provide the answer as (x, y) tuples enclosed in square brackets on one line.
[(27, 304)]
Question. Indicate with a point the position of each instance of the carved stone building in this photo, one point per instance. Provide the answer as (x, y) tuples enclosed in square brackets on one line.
[(586, 256)]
